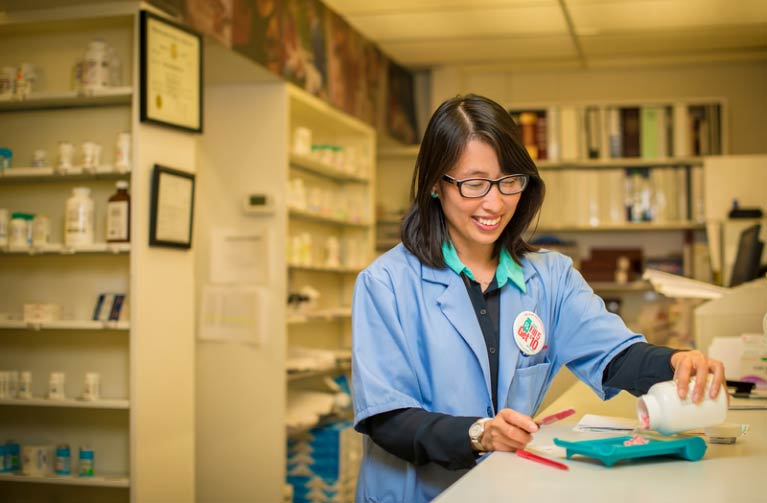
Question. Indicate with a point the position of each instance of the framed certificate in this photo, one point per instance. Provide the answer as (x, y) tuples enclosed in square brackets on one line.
[(170, 74), (172, 208)]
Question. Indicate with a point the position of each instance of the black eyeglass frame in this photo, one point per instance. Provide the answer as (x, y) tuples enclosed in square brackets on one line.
[(459, 183)]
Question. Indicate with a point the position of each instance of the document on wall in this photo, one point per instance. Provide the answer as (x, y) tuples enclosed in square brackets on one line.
[(233, 313), (239, 257)]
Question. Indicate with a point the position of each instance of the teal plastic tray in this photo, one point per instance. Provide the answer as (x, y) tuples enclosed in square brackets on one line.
[(611, 450)]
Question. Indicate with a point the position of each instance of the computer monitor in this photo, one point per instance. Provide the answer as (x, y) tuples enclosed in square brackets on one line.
[(747, 261)]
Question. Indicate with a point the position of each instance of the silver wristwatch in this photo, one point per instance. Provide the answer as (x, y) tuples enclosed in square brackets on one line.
[(475, 433)]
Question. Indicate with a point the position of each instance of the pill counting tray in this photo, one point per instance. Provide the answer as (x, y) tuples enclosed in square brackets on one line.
[(611, 450)]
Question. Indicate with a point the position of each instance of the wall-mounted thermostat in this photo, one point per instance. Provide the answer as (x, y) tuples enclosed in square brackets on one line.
[(258, 204)]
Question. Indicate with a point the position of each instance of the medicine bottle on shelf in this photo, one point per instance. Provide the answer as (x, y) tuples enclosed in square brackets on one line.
[(78, 222), (118, 215), (662, 410), (95, 72)]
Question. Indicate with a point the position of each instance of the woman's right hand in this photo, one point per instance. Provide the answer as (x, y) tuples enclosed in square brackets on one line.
[(509, 430)]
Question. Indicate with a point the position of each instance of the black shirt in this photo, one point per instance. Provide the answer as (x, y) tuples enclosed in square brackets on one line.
[(419, 436)]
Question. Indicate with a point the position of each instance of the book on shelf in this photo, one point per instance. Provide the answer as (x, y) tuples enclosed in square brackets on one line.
[(541, 135), (534, 131), (614, 132), (593, 128), (552, 134), (568, 118), (527, 121), (704, 129), (630, 132), (110, 307)]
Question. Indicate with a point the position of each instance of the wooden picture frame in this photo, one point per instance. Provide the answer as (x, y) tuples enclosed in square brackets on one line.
[(171, 213), (170, 74)]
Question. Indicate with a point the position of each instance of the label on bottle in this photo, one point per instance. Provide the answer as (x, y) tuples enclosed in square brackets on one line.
[(79, 224), (117, 221)]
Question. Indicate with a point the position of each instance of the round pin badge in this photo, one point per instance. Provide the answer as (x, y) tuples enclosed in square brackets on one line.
[(529, 333)]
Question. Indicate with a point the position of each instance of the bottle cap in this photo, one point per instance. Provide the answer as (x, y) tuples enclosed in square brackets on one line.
[(122, 184), (81, 191)]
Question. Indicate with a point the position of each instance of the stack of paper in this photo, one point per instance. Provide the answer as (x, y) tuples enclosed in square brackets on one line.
[(593, 422), (672, 285)]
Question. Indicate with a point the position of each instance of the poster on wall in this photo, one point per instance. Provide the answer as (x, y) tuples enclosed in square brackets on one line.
[(310, 45), (170, 74)]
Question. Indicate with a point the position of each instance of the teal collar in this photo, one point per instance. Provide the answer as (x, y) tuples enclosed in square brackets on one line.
[(507, 270)]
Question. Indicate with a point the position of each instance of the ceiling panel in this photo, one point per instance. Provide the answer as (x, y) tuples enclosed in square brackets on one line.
[(509, 50), (468, 22), (677, 42), (595, 16)]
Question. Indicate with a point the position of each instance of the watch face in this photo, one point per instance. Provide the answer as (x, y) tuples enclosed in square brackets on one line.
[(476, 430)]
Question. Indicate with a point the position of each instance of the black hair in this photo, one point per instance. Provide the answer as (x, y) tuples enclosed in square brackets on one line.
[(453, 125)]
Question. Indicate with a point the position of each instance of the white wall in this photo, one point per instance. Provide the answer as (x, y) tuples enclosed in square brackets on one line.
[(162, 334), (241, 388), (742, 84)]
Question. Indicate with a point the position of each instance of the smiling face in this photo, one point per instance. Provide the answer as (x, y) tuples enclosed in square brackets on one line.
[(475, 224)]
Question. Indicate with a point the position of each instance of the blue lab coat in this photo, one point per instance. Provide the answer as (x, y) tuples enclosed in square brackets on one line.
[(417, 343)]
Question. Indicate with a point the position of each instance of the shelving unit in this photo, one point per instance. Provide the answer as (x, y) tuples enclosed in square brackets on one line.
[(149, 395), (332, 201)]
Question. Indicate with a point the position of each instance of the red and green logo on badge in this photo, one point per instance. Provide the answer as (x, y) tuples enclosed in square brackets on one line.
[(529, 333)]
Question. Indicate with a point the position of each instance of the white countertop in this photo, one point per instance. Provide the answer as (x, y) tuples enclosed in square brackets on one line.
[(726, 473)]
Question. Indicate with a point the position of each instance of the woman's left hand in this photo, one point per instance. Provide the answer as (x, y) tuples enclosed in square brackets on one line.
[(694, 363)]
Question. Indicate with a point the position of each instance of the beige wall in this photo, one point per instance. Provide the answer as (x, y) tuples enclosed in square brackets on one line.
[(743, 86)]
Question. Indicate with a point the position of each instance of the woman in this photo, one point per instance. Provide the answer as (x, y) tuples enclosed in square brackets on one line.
[(458, 331)]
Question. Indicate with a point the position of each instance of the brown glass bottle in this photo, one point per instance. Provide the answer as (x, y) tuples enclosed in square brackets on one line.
[(118, 215)]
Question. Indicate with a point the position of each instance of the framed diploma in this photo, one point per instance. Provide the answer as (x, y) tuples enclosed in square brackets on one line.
[(171, 208), (170, 74)]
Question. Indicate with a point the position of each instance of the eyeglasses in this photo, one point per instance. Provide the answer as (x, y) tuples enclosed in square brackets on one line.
[(479, 187)]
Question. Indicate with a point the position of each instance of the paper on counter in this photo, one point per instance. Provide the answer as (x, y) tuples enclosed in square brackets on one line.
[(593, 422)]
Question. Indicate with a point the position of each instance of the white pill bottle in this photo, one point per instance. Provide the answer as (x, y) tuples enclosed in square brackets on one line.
[(78, 222), (662, 410)]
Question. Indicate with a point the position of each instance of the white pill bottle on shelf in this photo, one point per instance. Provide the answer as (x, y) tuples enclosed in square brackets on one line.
[(662, 410), (78, 221), (95, 74)]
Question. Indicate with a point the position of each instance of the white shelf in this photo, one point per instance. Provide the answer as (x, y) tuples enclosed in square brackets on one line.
[(68, 99), (322, 268), (633, 286), (317, 217), (68, 403), (627, 227), (627, 162), (48, 174), (64, 325), (316, 167), (117, 481), (308, 374), (59, 249), (325, 315)]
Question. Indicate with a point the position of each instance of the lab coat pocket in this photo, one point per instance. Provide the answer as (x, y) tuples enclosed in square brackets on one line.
[(527, 388)]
